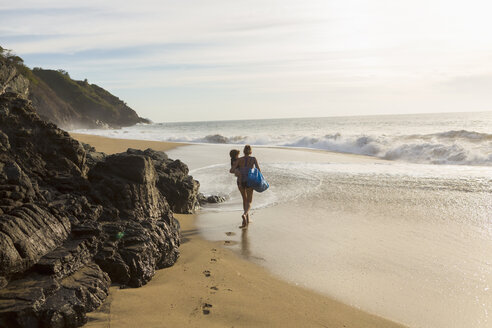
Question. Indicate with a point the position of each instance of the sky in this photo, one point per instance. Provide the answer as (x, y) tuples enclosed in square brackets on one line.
[(195, 60)]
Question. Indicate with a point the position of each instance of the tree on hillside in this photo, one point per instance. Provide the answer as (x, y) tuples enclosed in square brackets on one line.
[(10, 57), (64, 72), (16, 60)]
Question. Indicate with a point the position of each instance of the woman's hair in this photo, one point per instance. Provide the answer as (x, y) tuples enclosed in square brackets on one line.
[(247, 150), (234, 153)]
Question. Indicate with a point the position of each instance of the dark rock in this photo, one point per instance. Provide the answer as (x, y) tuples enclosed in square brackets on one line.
[(43, 301), (202, 200), (15, 176), (68, 258), (92, 156), (126, 185), (134, 251), (26, 234), (71, 219), (216, 199), (173, 181), (213, 199), (4, 142)]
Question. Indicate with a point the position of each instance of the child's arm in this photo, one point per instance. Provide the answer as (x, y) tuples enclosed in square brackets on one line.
[(234, 167)]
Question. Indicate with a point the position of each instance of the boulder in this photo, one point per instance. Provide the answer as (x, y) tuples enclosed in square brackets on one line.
[(212, 199), (141, 234), (173, 181)]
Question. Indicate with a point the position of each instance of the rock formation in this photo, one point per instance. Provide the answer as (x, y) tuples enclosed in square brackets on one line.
[(74, 104), (173, 181), (73, 220), (212, 199), (61, 100)]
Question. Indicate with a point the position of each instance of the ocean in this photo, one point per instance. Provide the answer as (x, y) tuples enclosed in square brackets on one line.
[(390, 214), (452, 138)]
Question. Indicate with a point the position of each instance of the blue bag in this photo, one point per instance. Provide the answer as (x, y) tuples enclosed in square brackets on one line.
[(256, 180)]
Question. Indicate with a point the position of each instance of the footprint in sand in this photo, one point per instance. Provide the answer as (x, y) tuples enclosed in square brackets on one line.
[(206, 273), (206, 307), (230, 233), (214, 288)]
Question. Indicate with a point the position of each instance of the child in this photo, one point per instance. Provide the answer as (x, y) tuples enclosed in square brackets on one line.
[(234, 157)]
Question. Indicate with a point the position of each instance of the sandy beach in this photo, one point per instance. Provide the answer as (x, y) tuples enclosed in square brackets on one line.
[(211, 286), (111, 146)]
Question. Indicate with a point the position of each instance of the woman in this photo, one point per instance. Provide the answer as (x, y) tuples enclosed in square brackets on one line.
[(244, 164)]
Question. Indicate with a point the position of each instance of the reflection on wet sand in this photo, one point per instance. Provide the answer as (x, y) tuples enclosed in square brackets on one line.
[(245, 244)]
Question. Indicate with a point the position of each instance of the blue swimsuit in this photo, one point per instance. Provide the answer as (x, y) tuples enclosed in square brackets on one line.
[(242, 179)]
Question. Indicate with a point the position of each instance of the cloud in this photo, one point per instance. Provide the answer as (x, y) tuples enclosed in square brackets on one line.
[(308, 49), (475, 84)]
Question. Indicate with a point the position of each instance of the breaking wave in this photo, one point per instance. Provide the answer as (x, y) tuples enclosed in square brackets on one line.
[(450, 147)]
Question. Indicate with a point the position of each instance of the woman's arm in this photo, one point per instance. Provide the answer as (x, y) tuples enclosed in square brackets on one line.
[(257, 166)]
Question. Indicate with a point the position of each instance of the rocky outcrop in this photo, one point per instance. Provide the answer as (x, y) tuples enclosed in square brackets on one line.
[(73, 220), (27, 232), (61, 100), (45, 301), (11, 80), (173, 181), (78, 104), (125, 184)]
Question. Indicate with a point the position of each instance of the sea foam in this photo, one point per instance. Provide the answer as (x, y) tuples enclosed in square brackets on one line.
[(450, 147)]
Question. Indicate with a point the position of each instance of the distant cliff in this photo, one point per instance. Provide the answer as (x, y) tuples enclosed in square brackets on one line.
[(59, 99)]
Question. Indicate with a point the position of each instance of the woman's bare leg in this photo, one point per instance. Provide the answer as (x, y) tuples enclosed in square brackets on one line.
[(249, 201), (245, 204)]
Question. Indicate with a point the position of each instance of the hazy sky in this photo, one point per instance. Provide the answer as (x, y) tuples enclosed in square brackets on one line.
[(230, 59)]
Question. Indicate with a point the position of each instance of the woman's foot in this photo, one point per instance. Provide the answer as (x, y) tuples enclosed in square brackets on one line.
[(248, 221), (245, 221)]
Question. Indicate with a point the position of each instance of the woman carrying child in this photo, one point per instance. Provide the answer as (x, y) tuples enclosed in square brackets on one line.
[(240, 167)]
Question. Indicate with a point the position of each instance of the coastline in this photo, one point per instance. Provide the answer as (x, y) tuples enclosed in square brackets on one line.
[(209, 277), (112, 146)]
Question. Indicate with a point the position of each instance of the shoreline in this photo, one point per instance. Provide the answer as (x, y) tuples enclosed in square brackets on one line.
[(108, 145), (112, 145), (212, 286)]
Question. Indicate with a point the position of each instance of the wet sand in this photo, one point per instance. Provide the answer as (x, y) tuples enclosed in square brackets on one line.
[(211, 286)]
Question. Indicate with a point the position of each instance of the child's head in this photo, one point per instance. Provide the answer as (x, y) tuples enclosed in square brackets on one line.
[(234, 153)]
